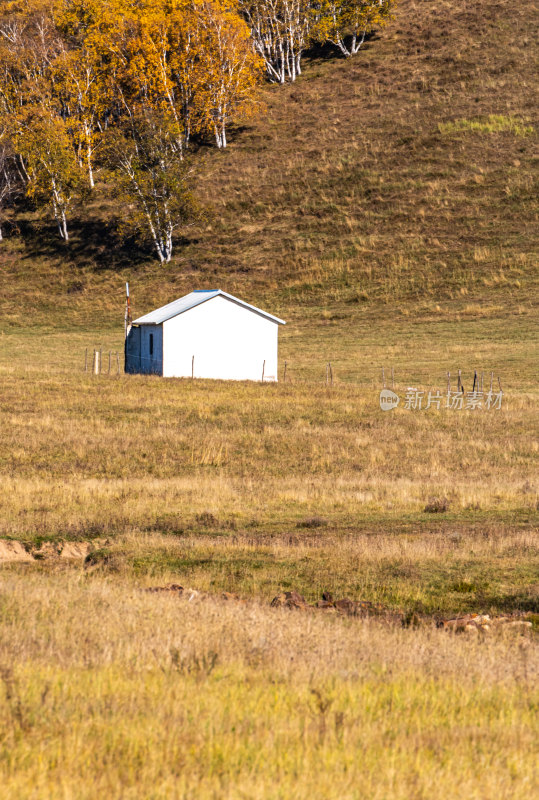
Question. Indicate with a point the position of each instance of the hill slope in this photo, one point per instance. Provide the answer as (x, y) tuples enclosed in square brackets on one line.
[(352, 187)]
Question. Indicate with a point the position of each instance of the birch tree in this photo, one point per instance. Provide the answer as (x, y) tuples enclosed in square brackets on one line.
[(85, 98), (194, 61), (53, 172), (232, 68), (346, 23), (152, 179), (281, 31)]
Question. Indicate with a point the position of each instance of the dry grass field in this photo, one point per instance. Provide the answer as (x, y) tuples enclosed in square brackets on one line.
[(299, 485), (111, 692), (384, 207)]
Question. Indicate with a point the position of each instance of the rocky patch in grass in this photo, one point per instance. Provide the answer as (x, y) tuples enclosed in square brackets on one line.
[(483, 623), (363, 608), (469, 623), (175, 588), (344, 606)]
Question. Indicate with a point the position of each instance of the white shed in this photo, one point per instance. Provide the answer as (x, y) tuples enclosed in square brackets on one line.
[(206, 334)]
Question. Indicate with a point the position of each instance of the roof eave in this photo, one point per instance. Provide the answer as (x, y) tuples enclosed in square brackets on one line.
[(211, 295)]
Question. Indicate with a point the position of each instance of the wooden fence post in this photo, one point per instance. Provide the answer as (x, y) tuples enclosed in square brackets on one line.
[(86, 360), (284, 375), (192, 367), (263, 369), (117, 363), (96, 362)]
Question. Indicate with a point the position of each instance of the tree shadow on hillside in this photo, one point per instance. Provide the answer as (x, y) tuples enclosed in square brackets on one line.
[(320, 52), (93, 243)]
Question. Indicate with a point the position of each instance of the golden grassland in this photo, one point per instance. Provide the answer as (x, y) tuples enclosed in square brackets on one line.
[(108, 691), (383, 206), (257, 488), (261, 487)]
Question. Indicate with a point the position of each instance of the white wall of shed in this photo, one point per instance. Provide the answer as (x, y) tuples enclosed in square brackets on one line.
[(228, 342)]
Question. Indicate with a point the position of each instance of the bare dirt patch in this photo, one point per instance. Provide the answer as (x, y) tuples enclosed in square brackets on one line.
[(75, 550), (13, 551), (67, 550)]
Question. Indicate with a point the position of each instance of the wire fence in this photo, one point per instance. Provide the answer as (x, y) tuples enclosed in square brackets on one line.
[(111, 362), (97, 363)]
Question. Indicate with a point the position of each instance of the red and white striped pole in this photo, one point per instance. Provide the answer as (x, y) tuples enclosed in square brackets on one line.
[(127, 310)]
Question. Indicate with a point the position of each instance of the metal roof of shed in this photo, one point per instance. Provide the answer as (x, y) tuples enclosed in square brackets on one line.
[(195, 299)]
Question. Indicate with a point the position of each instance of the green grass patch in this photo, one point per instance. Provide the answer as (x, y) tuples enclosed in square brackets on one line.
[(494, 123)]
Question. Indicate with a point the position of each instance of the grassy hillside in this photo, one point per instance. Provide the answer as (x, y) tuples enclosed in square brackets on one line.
[(384, 207), (401, 179)]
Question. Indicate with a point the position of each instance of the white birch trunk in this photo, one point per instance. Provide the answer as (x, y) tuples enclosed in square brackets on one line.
[(59, 210), (356, 45), (90, 168), (89, 156), (147, 213), (21, 169), (223, 133), (64, 232)]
